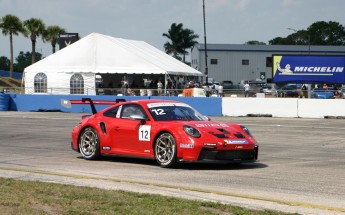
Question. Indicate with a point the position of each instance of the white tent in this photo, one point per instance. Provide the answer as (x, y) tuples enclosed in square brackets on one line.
[(100, 54)]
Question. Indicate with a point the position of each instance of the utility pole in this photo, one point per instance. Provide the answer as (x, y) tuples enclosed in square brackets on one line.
[(206, 68)]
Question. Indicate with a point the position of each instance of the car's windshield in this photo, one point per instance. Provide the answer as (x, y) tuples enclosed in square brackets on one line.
[(174, 111)]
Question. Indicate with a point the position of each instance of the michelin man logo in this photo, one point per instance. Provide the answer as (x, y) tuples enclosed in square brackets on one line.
[(286, 70)]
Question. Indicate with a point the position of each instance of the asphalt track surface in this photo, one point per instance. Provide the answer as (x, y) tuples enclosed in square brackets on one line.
[(301, 165)]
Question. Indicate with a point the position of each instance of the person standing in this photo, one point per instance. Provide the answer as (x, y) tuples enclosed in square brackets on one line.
[(246, 89), (159, 87), (124, 88)]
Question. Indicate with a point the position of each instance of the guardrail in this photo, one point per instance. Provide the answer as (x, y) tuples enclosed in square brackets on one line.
[(163, 92)]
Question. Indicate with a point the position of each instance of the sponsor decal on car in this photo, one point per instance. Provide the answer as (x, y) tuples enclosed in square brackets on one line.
[(236, 141), (106, 147), (187, 145), (205, 125), (152, 105)]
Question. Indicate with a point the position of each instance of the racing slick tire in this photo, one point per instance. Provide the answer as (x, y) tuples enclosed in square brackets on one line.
[(165, 150), (89, 144)]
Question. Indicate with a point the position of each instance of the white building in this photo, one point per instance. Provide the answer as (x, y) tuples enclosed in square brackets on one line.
[(249, 62)]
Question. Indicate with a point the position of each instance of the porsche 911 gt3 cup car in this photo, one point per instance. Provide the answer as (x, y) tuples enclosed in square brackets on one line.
[(164, 130)]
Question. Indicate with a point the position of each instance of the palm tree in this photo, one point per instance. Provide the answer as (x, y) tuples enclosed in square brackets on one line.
[(35, 27), (11, 25), (188, 41), (52, 35), (180, 40), (174, 47)]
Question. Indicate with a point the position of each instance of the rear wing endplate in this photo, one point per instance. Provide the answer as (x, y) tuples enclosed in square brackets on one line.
[(68, 103)]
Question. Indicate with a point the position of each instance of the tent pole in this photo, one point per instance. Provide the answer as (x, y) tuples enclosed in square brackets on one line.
[(166, 82)]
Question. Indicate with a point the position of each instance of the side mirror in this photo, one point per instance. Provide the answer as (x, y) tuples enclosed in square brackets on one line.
[(208, 118), (139, 118)]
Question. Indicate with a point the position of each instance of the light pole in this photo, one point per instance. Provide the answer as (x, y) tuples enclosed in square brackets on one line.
[(206, 68)]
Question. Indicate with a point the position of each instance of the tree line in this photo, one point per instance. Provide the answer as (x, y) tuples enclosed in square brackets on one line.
[(32, 28), (319, 33)]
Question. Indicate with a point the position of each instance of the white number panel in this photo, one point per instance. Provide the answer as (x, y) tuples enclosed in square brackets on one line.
[(144, 132)]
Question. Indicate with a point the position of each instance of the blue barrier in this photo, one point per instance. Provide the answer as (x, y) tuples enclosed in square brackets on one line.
[(16, 75), (211, 106), (4, 101)]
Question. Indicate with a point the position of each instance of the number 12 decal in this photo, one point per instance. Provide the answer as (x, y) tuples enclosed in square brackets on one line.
[(144, 132), (159, 111)]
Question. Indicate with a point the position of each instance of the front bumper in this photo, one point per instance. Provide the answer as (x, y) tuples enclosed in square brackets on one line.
[(231, 155)]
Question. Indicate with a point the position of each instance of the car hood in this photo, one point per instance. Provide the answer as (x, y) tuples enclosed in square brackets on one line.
[(215, 129)]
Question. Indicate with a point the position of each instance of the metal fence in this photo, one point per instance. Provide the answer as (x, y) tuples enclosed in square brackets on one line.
[(168, 92)]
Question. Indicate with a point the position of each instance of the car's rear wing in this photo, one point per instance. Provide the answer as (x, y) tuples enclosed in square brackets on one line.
[(68, 103)]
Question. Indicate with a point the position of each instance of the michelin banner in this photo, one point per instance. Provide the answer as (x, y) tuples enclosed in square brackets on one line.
[(308, 69)]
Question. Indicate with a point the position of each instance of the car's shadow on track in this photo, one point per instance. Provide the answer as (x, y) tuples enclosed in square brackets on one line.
[(187, 165), (220, 166)]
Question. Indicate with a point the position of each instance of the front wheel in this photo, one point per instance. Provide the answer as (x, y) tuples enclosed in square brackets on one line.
[(89, 144), (165, 150)]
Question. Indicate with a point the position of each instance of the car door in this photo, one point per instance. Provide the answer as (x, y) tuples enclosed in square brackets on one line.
[(129, 136)]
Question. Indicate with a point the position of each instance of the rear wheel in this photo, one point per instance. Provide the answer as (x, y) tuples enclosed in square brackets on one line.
[(165, 150), (89, 144)]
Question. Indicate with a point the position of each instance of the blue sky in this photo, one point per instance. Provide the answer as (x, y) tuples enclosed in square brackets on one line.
[(227, 21)]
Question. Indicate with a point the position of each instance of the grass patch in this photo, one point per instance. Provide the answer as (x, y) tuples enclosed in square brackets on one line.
[(25, 197)]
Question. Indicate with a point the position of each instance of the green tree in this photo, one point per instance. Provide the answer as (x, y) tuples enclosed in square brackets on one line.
[(254, 42), (278, 41), (181, 39), (174, 34), (327, 33), (188, 41), (11, 25), (24, 60), (52, 35), (319, 33), (35, 27), (4, 63)]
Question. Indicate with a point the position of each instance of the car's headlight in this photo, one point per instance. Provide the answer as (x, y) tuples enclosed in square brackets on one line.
[(191, 131), (245, 129)]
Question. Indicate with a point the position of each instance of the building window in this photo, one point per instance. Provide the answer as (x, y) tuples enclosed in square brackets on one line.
[(40, 83), (268, 61), (245, 62), (214, 61), (77, 84)]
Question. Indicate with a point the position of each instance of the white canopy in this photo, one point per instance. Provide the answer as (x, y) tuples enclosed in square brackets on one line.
[(97, 53)]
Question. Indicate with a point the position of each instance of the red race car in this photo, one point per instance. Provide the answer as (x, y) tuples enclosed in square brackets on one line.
[(164, 130)]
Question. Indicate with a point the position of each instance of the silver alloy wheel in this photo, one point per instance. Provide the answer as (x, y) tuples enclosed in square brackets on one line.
[(88, 143), (165, 150)]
